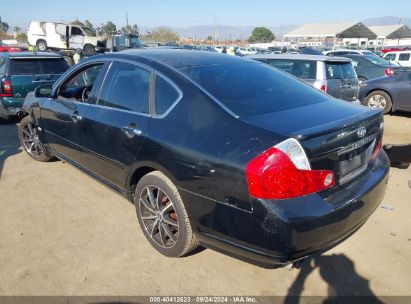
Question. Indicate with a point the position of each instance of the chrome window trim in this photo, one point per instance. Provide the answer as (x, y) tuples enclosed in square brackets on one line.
[(121, 110), (174, 104)]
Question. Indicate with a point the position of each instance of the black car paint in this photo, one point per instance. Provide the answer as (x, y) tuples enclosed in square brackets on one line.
[(203, 149), (368, 70), (398, 88)]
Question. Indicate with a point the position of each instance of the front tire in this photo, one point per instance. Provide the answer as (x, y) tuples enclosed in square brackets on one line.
[(30, 140), (162, 216), (380, 100), (89, 50)]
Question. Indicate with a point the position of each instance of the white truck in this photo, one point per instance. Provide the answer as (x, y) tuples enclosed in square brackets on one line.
[(63, 36)]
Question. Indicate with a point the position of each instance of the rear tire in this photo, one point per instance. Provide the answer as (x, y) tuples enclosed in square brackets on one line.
[(41, 45), (30, 141), (379, 99), (89, 50), (162, 216)]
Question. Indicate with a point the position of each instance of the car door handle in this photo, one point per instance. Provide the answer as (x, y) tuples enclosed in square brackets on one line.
[(75, 117), (130, 132)]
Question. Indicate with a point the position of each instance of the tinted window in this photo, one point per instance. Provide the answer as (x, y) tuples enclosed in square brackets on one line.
[(25, 67), (376, 60), (166, 95), (126, 87), (2, 67), (305, 69), (337, 70), (76, 31), (404, 57), (54, 66), (389, 57), (254, 88)]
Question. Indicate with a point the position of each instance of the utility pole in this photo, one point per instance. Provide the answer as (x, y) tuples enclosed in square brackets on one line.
[(127, 19)]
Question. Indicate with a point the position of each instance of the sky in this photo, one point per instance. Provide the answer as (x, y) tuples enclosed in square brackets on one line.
[(181, 13)]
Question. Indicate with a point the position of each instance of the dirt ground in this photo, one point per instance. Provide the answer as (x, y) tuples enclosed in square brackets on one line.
[(63, 233)]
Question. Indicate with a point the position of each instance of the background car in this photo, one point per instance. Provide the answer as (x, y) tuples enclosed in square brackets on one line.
[(388, 93), (343, 52), (22, 72), (403, 58), (369, 67), (333, 75), (206, 147), (9, 48)]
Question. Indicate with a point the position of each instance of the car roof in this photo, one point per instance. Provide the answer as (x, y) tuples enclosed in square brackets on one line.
[(300, 57), (179, 58), (23, 55), (397, 52)]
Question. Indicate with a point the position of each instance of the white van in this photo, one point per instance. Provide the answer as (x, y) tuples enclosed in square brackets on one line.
[(401, 57), (62, 36)]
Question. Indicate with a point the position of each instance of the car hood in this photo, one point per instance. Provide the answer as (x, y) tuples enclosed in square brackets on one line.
[(312, 120)]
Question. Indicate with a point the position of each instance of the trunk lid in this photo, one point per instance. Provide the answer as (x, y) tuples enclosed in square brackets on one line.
[(335, 135)]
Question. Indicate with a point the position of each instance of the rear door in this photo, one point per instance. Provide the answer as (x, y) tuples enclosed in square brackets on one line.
[(342, 81), (404, 93), (116, 126)]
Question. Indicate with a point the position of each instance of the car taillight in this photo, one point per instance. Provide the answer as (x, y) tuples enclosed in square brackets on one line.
[(323, 88), (389, 72), (377, 150), (6, 88), (283, 171)]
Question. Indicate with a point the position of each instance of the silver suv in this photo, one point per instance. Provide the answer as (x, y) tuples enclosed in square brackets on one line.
[(333, 75)]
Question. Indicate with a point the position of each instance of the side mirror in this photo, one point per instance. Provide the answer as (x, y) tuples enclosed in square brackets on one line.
[(43, 91)]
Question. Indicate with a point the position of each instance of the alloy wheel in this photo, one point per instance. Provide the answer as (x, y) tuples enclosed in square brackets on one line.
[(159, 216), (377, 101), (31, 140)]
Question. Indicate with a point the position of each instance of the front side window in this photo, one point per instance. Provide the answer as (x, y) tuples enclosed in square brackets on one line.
[(126, 87), (76, 31), (166, 95), (79, 85)]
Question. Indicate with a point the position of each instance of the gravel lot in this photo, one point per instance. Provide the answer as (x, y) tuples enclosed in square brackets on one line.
[(63, 233)]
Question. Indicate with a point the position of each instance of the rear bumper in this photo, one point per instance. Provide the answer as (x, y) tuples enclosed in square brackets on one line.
[(277, 233), (11, 106)]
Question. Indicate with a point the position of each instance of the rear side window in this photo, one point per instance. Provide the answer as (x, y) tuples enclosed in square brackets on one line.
[(305, 69), (389, 57), (337, 70), (38, 66), (404, 57), (166, 95), (2, 67), (25, 67), (126, 87), (54, 66), (254, 88)]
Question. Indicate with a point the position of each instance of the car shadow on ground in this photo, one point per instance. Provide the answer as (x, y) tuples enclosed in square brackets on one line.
[(401, 114), (9, 142), (345, 285)]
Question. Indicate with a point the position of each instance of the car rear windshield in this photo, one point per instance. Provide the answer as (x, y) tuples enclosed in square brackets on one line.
[(339, 70), (254, 88), (305, 69), (38, 66), (376, 60)]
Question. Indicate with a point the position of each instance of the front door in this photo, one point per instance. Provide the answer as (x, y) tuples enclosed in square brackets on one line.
[(116, 126), (76, 40), (404, 93), (62, 115)]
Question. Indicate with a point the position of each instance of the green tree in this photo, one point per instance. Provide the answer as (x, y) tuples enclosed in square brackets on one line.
[(21, 38), (17, 30), (89, 25), (107, 29), (4, 26), (77, 22), (162, 35), (261, 34), (130, 29)]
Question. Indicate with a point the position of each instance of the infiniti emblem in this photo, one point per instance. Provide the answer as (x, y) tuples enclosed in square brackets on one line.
[(361, 132)]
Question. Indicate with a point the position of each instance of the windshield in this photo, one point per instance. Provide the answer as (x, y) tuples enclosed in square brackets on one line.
[(254, 88), (376, 60), (88, 32), (135, 42)]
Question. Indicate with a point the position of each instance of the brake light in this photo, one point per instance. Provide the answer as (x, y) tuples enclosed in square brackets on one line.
[(389, 72), (323, 88), (283, 172), (377, 150), (6, 88)]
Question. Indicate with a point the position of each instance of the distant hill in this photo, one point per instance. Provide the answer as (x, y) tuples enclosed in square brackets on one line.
[(226, 32), (389, 20)]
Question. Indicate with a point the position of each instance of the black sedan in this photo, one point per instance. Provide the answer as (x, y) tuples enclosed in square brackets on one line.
[(388, 93), (215, 150)]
